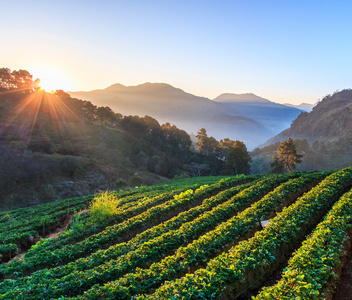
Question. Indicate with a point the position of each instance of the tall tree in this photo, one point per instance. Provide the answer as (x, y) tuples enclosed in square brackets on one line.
[(238, 159), (287, 157), (202, 140)]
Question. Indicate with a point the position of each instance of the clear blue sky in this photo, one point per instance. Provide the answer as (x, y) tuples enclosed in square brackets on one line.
[(286, 51)]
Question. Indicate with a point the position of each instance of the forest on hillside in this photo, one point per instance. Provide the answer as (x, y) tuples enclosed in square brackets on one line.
[(54, 146)]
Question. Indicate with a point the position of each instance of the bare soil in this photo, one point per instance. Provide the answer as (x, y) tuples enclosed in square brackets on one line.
[(344, 287)]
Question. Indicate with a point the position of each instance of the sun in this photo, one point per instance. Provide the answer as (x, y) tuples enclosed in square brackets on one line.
[(52, 79)]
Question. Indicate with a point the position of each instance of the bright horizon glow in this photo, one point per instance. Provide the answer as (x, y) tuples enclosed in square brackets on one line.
[(287, 52), (51, 79)]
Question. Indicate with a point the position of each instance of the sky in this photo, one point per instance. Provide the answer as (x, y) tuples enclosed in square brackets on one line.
[(284, 51)]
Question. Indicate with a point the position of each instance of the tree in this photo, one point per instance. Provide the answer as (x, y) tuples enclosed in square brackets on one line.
[(238, 159), (195, 169), (136, 180), (202, 139), (6, 79), (20, 80), (206, 145), (287, 158)]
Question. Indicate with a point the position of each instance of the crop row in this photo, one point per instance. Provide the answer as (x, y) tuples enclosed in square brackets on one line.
[(247, 264), (203, 248), (128, 209), (117, 250), (313, 271), (38, 226), (88, 227), (11, 219), (19, 227), (112, 233), (151, 250)]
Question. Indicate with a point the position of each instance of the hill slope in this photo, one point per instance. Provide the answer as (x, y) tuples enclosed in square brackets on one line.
[(323, 136), (329, 121), (53, 147)]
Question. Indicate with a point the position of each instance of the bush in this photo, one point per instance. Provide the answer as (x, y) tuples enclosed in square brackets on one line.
[(182, 176), (18, 145), (136, 180), (70, 165), (103, 206), (120, 183)]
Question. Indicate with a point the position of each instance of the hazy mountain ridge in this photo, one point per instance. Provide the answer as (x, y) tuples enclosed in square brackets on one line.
[(245, 117), (274, 116), (247, 97), (303, 106), (329, 121)]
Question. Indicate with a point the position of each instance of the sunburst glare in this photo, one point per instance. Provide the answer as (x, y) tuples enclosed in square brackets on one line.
[(52, 79)]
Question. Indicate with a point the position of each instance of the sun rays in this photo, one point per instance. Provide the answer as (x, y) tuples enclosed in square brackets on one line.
[(44, 111)]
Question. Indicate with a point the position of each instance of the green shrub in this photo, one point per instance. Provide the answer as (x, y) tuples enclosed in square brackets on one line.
[(120, 183), (70, 165), (103, 206), (18, 145), (182, 176), (136, 180)]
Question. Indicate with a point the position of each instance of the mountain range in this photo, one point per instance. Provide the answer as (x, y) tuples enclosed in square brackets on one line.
[(244, 117)]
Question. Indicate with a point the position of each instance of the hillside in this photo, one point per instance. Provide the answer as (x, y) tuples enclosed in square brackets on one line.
[(323, 136), (329, 121), (250, 122), (54, 147), (199, 238)]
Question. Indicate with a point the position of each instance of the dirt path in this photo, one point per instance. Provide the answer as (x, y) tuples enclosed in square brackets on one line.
[(344, 287), (62, 227)]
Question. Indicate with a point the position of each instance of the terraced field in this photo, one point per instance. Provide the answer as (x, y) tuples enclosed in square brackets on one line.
[(199, 238)]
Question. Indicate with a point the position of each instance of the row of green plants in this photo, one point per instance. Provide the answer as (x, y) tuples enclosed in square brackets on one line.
[(150, 251), (89, 226), (249, 263), (23, 225), (20, 227), (35, 223), (13, 221), (9, 218), (125, 207), (203, 248), (111, 234), (313, 271), (117, 250)]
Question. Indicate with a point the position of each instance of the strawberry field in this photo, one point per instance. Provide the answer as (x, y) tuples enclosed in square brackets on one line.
[(198, 238)]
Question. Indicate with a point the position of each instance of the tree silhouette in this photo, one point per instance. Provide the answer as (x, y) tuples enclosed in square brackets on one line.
[(287, 158), (237, 161)]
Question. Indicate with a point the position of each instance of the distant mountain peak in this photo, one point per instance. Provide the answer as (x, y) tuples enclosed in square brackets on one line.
[(247, 97), (115, 87), (303, 106)]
